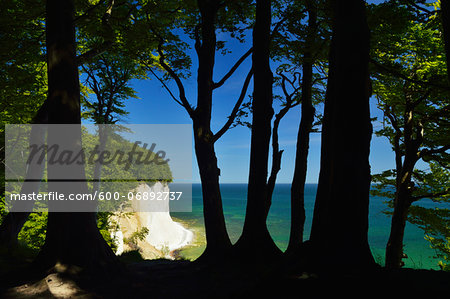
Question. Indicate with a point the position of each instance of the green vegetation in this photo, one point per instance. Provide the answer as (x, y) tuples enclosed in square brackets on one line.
[(2, 209), (409, 83), (136, 236), (336, 52), (33, 233)]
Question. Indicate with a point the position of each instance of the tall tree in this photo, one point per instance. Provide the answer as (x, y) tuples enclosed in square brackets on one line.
[(108, 78), (415, 118), (290, 101), (205, 19), (299, 42), (26, 67), (340, 221), (255, 233), (305, 127), (217, 237), (72, 238)]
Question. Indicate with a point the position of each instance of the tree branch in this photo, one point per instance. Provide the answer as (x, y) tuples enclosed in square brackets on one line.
[(430, 152), (88, 10), (165, 86), (233, 69), (419, 8), (83, 58), (406, 78), (319, 79), (289, 96), (198, 43), (392, 119), (235, 110), (430, 195), (94, 84), (277, 27), (173, 74), (87, 56), (438, 113), (422, 98), (90, 104)]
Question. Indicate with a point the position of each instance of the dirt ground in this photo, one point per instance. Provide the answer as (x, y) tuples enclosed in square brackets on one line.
[(185, 279)]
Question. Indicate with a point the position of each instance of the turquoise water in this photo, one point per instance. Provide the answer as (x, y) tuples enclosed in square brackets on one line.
[(234, 202)]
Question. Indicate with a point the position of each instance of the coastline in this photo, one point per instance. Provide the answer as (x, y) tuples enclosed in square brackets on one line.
[(193, 249), (420, 255)]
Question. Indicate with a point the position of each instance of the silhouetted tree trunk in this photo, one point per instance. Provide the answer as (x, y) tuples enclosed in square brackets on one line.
[(72, 238), (394, 248), (255, 236), (217, 240), (412, 136), (301, 154), (218, 243), (277, 154), (340, 222), (13, 222)]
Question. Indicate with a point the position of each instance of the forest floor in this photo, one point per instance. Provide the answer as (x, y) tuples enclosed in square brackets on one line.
[(185, 279)]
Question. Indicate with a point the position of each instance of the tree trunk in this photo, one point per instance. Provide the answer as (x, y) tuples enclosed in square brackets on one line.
[(72, 238), (402, 200), (103, 134), (340, 222), (255, 237), (217, 240), (277, 154), (394, 248), (301, 154)]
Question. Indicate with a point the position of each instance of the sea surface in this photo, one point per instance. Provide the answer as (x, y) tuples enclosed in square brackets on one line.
[(419, 253)]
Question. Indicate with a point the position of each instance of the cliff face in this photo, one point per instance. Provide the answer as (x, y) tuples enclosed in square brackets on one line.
[(164, 235)]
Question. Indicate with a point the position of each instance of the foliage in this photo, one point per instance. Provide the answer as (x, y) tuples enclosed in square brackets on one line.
[(105, 226), (121, 41), (23, 82), (108, 77), (136, 236), (435, 221), (2, 209), (101, 26), (116, 142), (409, 81), (289, 43), (34, 230)]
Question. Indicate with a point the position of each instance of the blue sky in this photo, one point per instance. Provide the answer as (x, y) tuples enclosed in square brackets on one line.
[(155, 106)]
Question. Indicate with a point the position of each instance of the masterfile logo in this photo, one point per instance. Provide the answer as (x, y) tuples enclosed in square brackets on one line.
[(96, 167)]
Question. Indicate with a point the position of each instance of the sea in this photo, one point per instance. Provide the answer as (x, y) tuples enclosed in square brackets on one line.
[(420, 254)]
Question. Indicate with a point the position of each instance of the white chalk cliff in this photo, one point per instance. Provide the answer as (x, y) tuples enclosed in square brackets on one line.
[(164, 234)]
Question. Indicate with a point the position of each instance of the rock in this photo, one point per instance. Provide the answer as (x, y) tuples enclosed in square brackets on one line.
[(165, 235)]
